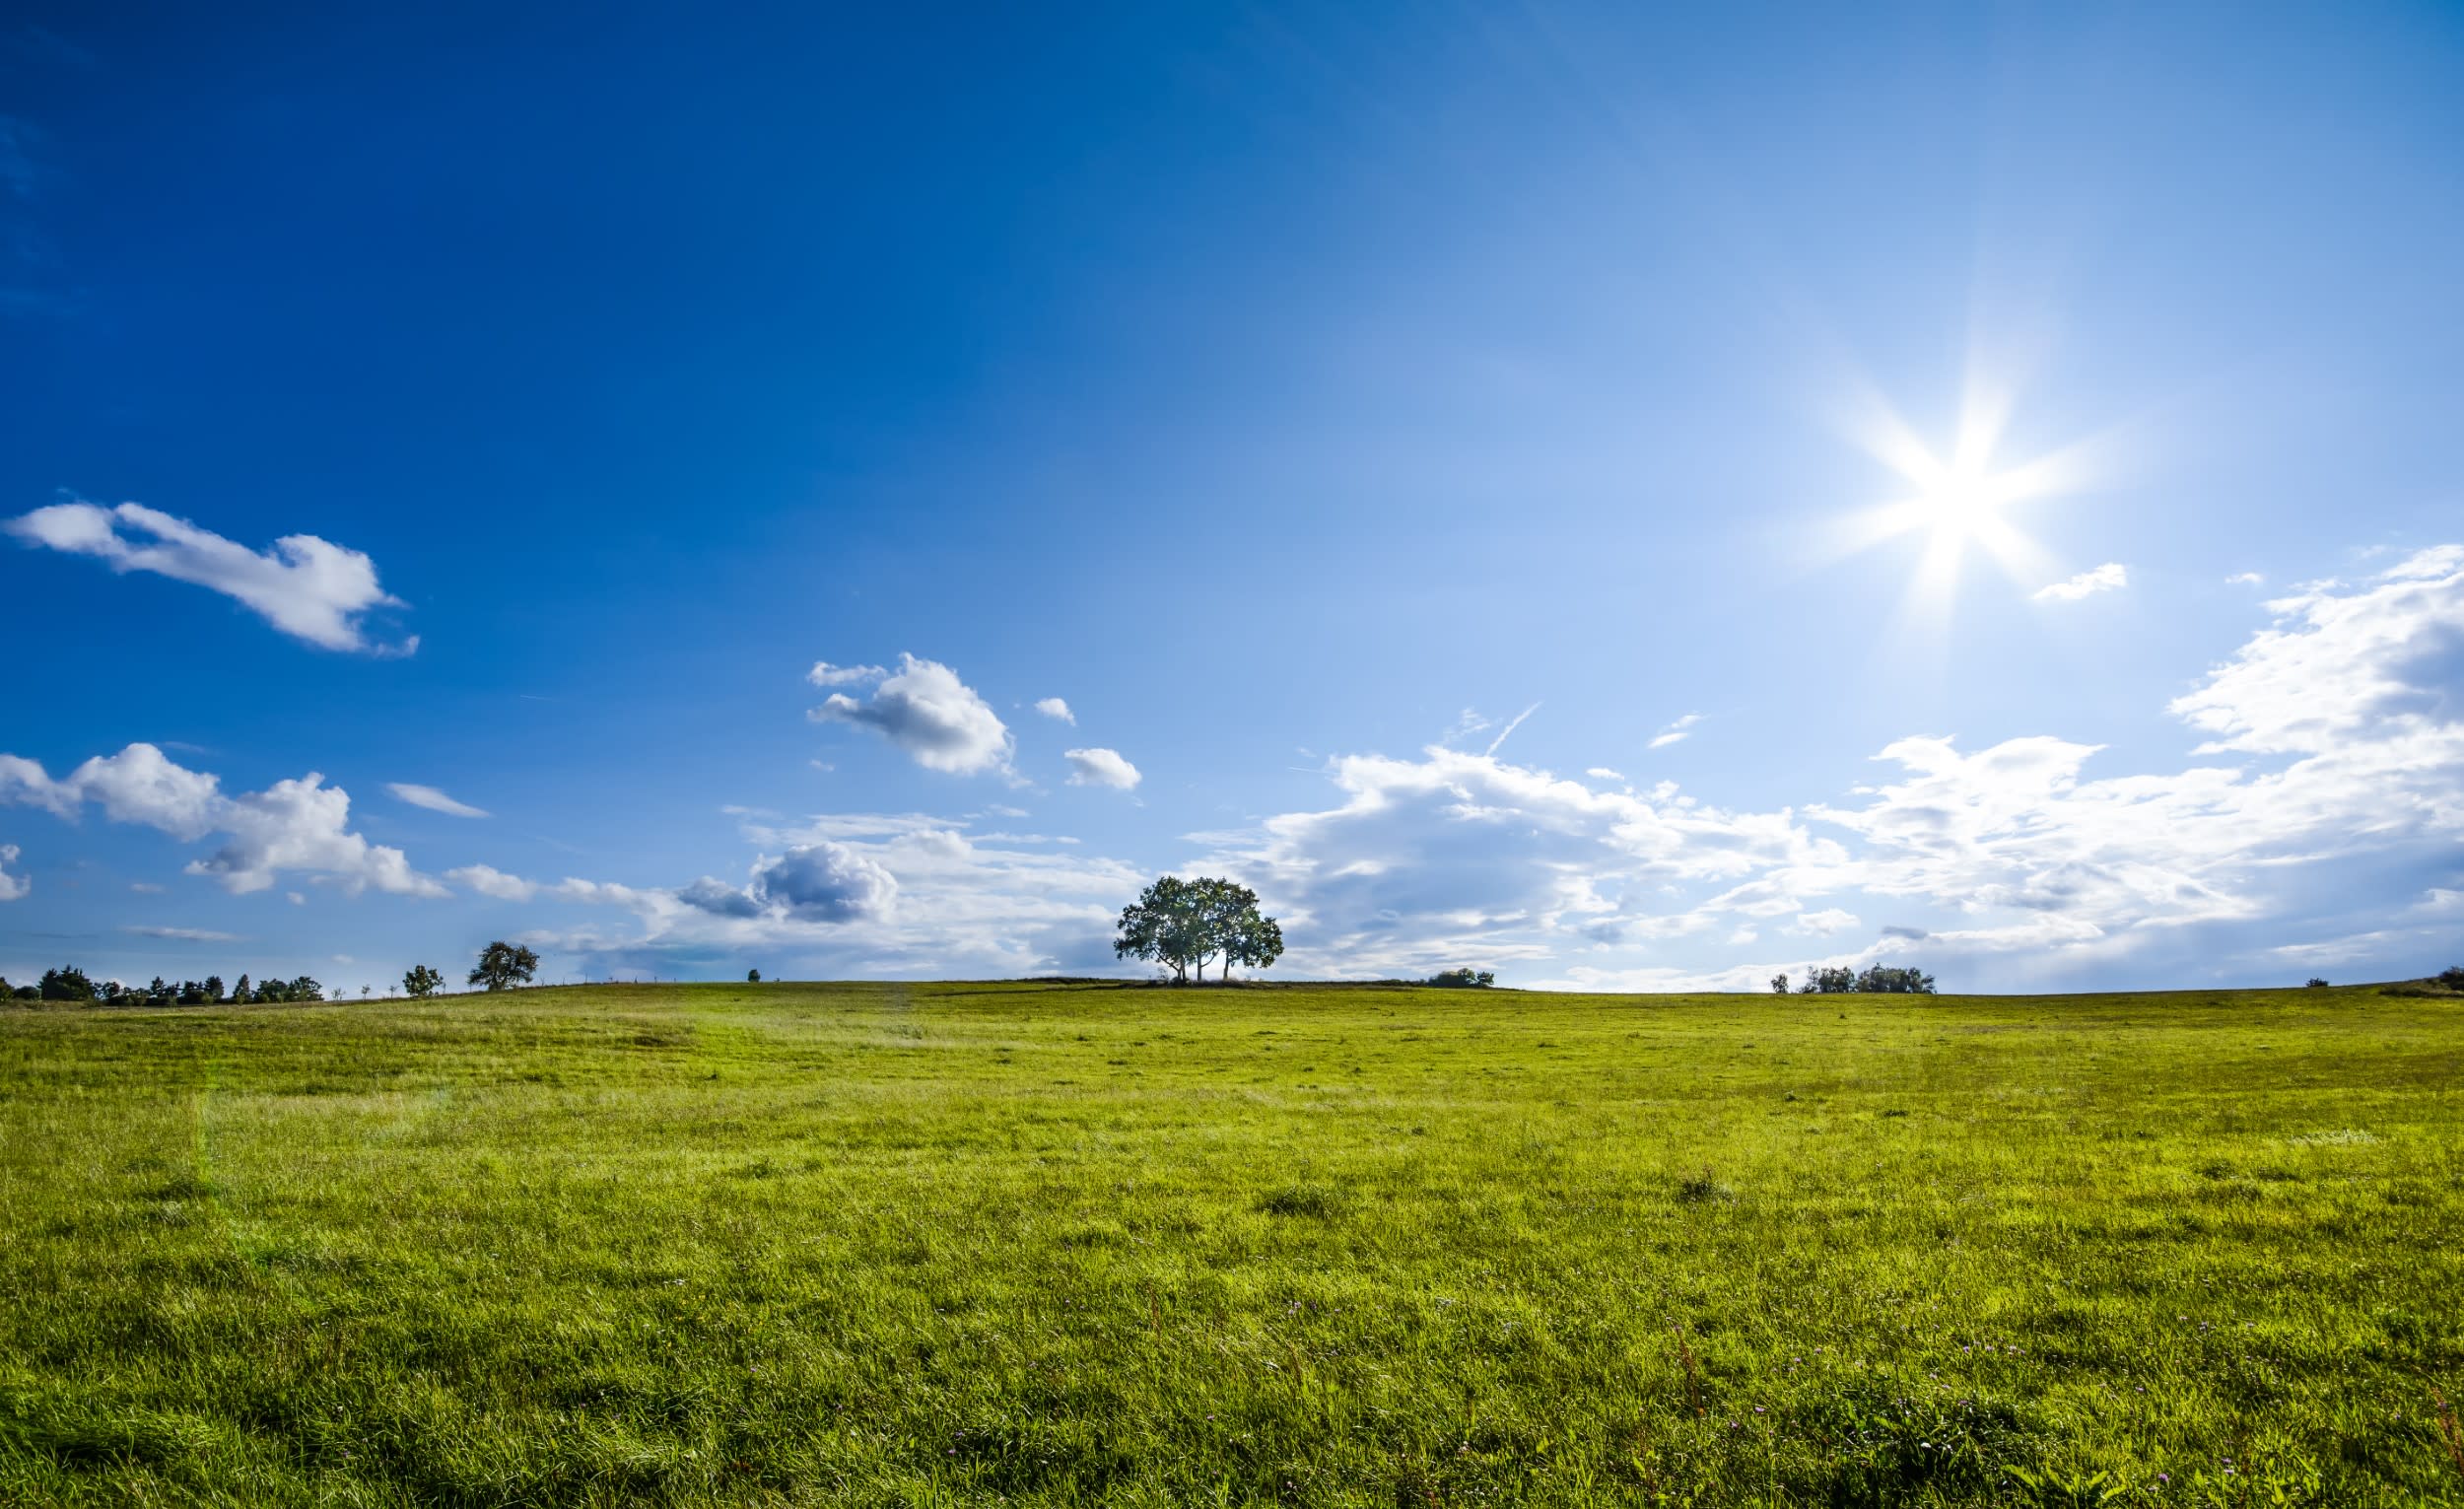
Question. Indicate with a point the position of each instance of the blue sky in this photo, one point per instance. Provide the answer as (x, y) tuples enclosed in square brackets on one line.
[(1625, 500)]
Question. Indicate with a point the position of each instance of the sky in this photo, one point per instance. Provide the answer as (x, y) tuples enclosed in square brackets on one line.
[(1632, 498)]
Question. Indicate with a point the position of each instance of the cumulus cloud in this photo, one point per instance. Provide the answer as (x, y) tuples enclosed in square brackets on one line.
[(927, 712), (1674, 731), (1603, 772), (870, 895), (1055, 708), (307, 587), (2102, 579), (1100, 767), (12, 887), (488, 880), (291, 825), (826, 882), (824, 674), (433, 799)]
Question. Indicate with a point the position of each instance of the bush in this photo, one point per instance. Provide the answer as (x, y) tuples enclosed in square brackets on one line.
[(1466, 979), (2316, 983), (2452, 976)]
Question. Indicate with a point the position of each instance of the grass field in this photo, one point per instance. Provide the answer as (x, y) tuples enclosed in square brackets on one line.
[(1044, 1244)]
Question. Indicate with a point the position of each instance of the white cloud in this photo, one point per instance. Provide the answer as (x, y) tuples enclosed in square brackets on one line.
[(2343, 721), (817, 882), (824, 674), (927, 712), (305, 587), (2371, 674), (433, 799), (184, 934), (1054, 707), (291, 825), (12, 887), (1100, 767), (1603, 772), (1674, 731), (488, 880), (2102, 579), (2245, 579), (870, 894)]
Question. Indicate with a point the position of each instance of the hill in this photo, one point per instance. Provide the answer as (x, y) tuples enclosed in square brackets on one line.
[(1052, 1243)]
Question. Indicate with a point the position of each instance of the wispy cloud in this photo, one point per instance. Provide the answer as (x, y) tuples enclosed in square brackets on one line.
[(433, 799), (183, 934), (1512, 725), (307, 587), (1674, 731)]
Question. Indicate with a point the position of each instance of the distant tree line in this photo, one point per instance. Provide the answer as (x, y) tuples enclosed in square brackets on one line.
[(1183, 924), (501, 966), (71, 984), (1874, 980)]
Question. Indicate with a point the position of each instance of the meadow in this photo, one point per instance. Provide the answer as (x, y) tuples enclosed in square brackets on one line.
[(1080, 1244)]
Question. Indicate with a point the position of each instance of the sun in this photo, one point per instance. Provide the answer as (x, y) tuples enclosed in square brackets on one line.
[(1960, 500), (1959, 504)]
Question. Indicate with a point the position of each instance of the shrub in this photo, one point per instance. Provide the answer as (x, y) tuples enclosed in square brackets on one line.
[(2452, 976), (2316, 983), (1466, 979)]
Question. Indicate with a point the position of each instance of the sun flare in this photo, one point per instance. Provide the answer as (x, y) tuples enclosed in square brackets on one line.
[(1965, 498)]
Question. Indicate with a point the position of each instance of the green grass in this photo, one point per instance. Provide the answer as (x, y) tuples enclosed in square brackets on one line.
[(968, 1244)]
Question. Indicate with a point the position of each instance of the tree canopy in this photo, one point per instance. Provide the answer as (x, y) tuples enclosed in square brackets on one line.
[(1874, 980), (420, 982), (503, 965), (1183, 924)]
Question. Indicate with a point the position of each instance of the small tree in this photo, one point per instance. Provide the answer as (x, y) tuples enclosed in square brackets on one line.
[(752, 976), (241, 995), (2317, 983), (420, 982), (1779, 985), (213, 988), (502, 965), (2452, 976)]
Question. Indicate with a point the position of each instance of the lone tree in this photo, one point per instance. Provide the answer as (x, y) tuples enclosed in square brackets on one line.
[(420, 982), (503, 965), (1184, 924)]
